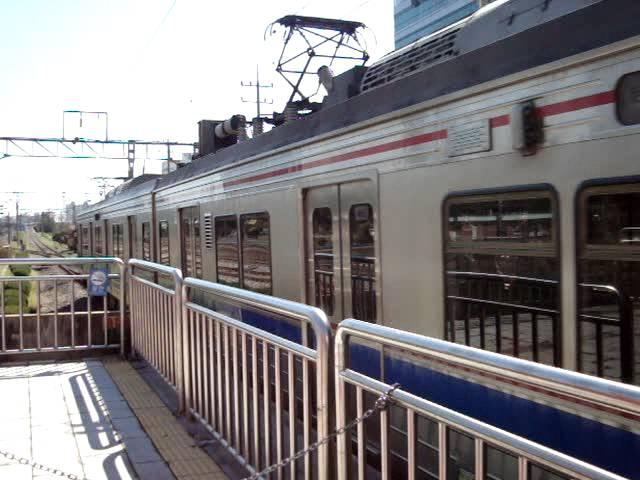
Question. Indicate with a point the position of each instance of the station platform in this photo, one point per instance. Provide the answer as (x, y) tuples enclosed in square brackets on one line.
[(94, 420)]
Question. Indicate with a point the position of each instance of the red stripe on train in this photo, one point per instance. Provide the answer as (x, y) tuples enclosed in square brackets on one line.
[(588, 101), (602, 98), (364, 152)]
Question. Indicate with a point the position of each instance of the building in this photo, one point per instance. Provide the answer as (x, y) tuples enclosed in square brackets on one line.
[(414, 19)]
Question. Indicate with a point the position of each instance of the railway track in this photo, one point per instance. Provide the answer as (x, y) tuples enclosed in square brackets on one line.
[(49, 252)]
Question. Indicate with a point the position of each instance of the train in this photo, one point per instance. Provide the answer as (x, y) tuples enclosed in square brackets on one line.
[(479, 185)]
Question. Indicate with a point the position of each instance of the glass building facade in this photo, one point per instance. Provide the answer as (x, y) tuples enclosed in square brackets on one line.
[(414, 19)]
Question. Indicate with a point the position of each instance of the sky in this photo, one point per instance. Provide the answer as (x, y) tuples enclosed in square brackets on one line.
[(156, 66)]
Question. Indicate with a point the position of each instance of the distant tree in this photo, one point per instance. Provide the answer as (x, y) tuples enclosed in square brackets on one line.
[(47, 222)]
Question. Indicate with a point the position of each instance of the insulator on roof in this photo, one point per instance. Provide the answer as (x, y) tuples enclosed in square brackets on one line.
[(257, 125), (290, 112)]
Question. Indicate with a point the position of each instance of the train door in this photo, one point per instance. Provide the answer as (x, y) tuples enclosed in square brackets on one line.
[(191, 254), (131, 236), (341, 251)]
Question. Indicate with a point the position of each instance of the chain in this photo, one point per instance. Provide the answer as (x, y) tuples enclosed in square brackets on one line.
[(39, 466), (381, 403)]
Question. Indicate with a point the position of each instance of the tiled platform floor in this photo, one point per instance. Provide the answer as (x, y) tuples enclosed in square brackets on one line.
[(72, 416)]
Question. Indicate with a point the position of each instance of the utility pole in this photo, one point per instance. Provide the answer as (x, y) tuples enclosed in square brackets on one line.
[(259, 100), (18, 221)]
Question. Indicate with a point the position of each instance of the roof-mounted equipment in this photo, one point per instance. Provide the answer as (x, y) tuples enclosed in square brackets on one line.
[(215, 134), (311, 43)]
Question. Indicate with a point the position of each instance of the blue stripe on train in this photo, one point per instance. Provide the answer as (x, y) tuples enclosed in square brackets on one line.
[(277, 326), (282, 328), (611, 448)]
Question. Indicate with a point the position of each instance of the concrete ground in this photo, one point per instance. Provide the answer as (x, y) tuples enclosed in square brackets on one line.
[(72, 417)]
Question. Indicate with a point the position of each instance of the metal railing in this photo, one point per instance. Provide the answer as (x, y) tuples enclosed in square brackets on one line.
[(156, 325), (48, 312), (489, 308), (600, 316), (452, 428), (263, 396)]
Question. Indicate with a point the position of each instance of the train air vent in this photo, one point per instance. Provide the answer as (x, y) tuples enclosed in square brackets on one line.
[(412, 60), (208, 231)]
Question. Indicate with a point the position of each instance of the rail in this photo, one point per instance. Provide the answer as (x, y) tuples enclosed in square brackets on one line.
[(490, 308), (451, 429), (70, 320), (156, 325), (263, 396), (599, 321)]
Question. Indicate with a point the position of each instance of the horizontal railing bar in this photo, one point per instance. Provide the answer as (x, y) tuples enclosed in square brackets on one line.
[(61, 314), (288, 345), (496, 276), (501, 438), (619, 396), (518, 306), (280, 306), (173, 272), (155, 286), (585, 317), (58, 349), (44, 278), (60, 261)]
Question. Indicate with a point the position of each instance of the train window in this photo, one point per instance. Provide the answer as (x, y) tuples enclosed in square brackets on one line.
[(197, 247), (628, 99), (502, 267), (363, 262), (117, 240), (609, 282), (227, 253), (163, 237), (146, 241), (97, 241), (85, 248), (323, 259), (256, 252)]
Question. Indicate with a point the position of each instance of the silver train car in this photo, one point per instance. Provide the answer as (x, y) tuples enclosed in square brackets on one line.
[(481, 185)]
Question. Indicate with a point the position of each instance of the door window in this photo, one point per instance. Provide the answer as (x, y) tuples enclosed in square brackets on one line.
[(363, 262), (323, 259), (187, 257)]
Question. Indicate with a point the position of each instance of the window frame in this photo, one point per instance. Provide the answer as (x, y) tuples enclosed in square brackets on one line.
[(161, 259), (239, 218), (85, 240), (117, 240), (553, 250), (146, 228), (238, 234), (241, 241), (98, 228)]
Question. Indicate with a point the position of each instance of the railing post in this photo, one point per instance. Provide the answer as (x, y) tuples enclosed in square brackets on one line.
[(341, 398), (123, 303), (180, 313), (185, 400), (143, 298)]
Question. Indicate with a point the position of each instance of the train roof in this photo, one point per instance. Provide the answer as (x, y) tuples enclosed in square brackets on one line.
[(141, 185), (503, 38)]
